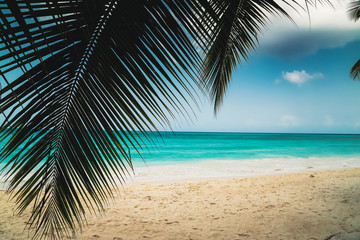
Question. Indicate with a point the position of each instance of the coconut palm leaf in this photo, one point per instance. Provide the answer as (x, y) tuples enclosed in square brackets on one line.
[(94, 77), (355, 71), (354, 13), (235, 37), (88, 68), (354, 10)]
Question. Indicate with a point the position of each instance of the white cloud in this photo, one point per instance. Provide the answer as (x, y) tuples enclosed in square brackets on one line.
[(300, 77), (277, 81), (290, 121)]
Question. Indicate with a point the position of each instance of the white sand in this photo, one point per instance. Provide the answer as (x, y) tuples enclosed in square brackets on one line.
[(215, 169), (310, 205)]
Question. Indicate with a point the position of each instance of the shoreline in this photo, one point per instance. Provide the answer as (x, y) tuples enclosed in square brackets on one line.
[(227, 169), (308, 205), (159, 172)]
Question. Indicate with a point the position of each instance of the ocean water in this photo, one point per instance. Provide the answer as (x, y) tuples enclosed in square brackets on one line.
[(191, 155), (184, 147), (188, 155)]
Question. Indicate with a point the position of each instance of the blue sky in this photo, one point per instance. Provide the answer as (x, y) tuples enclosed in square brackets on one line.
[(298, 81)]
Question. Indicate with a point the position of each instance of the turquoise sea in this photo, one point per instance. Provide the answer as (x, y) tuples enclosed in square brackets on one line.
[(188, 155), (169, 148), (182, 147)]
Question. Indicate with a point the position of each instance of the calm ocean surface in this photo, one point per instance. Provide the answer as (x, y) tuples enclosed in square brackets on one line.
[(170, 148), (188, 155), (182, 147)]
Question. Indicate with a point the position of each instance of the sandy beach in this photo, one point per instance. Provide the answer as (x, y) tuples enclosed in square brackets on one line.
[(309, 205)]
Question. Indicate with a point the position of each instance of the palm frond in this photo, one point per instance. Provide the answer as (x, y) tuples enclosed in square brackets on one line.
[(87, 66), (235, 37), (354, 10), (355, 71), (94, 78), (354, 14)]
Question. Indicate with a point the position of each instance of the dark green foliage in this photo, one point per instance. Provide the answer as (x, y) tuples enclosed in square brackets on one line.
[(355, 71), (354, 10), (354, 13), (89, 67), (234, 37)]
